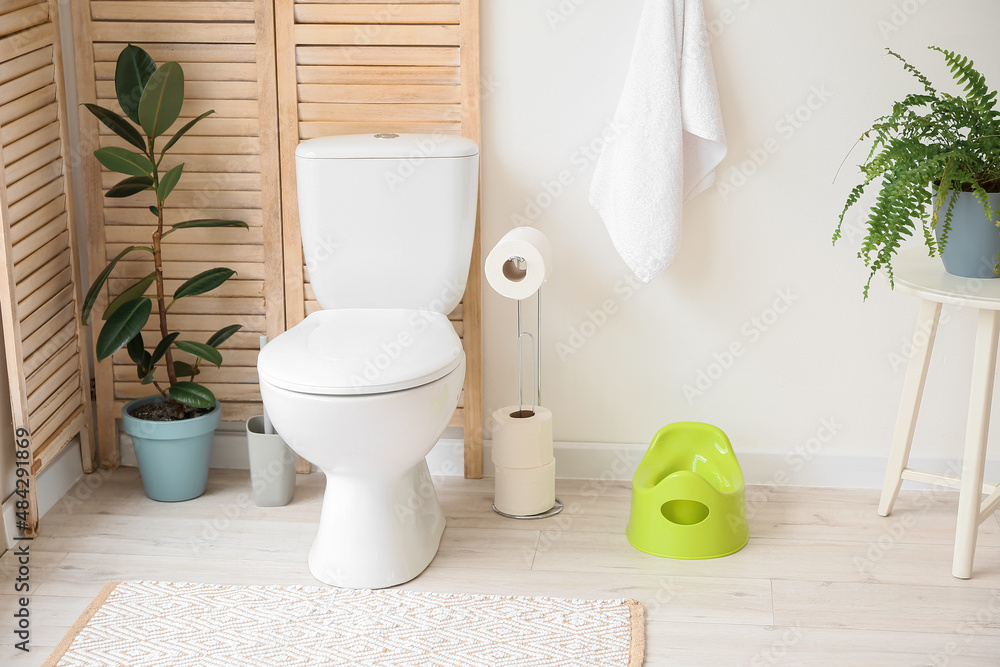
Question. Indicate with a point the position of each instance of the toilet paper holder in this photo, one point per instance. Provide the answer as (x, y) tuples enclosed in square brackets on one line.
[(513, 267), (536, 393)]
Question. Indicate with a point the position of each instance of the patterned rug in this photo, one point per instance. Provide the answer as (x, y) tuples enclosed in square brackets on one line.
[(158, 623)]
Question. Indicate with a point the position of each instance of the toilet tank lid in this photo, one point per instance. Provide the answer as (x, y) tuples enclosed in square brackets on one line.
[(386, 145)]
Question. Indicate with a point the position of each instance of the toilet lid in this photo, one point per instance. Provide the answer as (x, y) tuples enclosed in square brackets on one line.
[(361, 351)]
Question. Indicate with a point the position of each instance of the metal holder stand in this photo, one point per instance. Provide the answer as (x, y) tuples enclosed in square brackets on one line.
[(536, 393), (555, 509), (517, 268)]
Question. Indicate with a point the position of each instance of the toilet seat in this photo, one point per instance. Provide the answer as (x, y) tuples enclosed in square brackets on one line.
[(353, 351)]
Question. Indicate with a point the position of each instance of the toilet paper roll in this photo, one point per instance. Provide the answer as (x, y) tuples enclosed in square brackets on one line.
[(522, 442), (525, 491), (503, 273)]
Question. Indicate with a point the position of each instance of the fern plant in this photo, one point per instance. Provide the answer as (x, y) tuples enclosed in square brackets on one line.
[(930, 144), (152, 97)]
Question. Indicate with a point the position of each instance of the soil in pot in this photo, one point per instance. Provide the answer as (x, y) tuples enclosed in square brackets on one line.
[(164, 412)]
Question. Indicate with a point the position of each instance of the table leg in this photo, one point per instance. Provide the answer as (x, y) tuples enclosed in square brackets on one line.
[(909, 403), (976, 432)]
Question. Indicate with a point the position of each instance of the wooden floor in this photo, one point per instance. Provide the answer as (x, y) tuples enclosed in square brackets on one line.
[(823, 581)]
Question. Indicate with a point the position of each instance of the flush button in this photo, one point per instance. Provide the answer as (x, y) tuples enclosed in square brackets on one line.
[(386, 135)]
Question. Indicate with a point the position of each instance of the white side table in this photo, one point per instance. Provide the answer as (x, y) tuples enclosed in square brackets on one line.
[(924, 277)]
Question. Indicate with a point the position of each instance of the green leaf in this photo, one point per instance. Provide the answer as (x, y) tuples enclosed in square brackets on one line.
[(207, 222), (180, 133), (155, 211), (136, 349), (118, 125), (201, 350), (132, 71), (222, 335), (168, 181), (205, 281), (192, 394), (121, 327), (163, 346), (144, 367), (133, 292), (929, 143), (130, 186), (148, 379), (124, 161), (184, 369), (95, 288), (162, 99)]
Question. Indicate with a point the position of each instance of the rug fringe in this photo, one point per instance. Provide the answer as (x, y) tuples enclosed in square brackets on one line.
[(637, 645), (80, 624)]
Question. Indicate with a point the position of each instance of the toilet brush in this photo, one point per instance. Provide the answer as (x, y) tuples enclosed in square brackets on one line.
[(268, 429)]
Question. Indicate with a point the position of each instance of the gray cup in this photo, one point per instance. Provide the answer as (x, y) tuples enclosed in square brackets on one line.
[(272, 466)]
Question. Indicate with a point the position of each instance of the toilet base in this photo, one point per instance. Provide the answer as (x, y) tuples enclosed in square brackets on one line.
[(377, 532)]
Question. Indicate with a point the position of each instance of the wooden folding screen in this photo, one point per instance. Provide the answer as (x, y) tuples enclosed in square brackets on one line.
[(39, 284), (342, 67), (359, 66), (231, 171)]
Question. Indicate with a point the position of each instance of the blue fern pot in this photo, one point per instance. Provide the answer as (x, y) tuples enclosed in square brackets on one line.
[(974, 241), (172, 455)]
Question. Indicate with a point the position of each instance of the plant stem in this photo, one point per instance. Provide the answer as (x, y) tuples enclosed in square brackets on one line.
[(160, 296), (161, 305), (177, 406)]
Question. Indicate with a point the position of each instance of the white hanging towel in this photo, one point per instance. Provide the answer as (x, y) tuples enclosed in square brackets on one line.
[(666, 140)]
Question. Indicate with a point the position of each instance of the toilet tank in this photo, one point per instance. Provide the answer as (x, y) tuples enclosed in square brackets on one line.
[(388, 220)]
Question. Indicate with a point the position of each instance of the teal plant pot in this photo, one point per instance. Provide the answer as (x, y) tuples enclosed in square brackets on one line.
[(974, 241), (173, 456)]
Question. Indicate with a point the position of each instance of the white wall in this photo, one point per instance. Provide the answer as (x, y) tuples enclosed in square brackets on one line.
[(553, 70), (552, 73)]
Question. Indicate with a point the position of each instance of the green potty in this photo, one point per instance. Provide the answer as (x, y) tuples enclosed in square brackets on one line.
[(688, 495)]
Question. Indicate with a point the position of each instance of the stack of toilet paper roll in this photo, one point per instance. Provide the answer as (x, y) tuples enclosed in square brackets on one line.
[(523, 461)]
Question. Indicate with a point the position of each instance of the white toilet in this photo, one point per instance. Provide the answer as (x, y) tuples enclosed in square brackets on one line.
[(364, 388)]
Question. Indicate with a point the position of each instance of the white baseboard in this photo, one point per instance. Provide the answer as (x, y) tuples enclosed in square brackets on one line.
[(582, 460), (587, 460), (9, 523), (51, 484)]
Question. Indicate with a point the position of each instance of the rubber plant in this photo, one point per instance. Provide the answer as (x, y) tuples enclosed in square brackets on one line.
[(931, 142), (152, 97)]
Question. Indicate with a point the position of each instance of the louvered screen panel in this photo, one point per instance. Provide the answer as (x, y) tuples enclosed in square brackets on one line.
[(361, 66), (40, 290), (227, 52)]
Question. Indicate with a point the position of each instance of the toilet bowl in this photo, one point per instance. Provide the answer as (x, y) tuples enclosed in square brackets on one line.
[(381, 522), (364, 388)]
